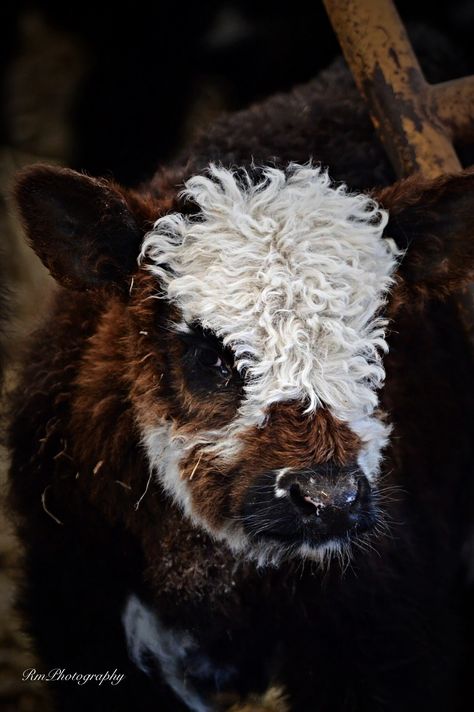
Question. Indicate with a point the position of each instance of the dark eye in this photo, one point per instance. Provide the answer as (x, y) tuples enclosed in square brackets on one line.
[(210, 360), (207, 360), (208, 357)]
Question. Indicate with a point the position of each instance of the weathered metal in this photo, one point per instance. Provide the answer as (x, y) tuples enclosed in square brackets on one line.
[(453, 103), (415, 121)]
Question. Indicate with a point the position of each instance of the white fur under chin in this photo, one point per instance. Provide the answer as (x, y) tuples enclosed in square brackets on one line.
[(273, 554)]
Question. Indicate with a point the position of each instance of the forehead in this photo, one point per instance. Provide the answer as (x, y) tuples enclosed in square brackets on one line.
[(291, 272)]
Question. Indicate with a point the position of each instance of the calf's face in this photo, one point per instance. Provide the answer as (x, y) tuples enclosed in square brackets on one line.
[(258, 331), (276, 287)]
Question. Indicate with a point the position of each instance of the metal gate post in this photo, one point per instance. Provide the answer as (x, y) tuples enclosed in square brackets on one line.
[(416, 122)]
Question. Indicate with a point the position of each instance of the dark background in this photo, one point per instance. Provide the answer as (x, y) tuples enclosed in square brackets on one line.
[(152, 71)]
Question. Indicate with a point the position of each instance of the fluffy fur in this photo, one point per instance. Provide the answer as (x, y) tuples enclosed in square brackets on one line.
[(291, 273), (108, 388)]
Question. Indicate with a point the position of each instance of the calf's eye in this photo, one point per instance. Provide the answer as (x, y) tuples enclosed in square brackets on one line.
[(206, 361), (208, 357), (211, 360)]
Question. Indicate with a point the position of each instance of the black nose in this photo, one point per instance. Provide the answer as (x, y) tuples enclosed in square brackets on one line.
[(310, 506), (334, 505)]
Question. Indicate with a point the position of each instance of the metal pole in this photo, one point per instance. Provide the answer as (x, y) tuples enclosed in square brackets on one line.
[(414, 121)]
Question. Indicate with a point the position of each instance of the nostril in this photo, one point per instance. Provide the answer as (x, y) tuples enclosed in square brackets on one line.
[(311, 499), (363, 490), (357, 496), (305, 503)]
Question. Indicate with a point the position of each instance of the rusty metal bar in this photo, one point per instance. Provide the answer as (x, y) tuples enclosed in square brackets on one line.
[(453, 103), (414, 120)]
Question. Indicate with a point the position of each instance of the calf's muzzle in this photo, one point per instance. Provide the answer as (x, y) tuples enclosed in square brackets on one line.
[(311, 506)]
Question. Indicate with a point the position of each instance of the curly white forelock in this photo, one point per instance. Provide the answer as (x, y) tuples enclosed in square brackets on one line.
[(290, 272)]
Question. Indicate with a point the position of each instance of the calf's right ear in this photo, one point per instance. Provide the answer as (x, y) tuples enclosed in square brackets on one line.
[(432, 221), (82, 228)]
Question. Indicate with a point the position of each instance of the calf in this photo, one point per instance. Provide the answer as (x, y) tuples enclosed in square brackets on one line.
[(218, 499)]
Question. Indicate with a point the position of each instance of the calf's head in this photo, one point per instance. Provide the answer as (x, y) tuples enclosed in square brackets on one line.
[(253, 320)]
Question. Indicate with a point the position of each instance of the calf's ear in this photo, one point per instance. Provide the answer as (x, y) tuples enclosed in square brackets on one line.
[(82, 228), (433, 222)]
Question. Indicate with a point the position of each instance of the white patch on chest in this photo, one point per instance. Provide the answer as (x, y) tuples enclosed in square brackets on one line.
[(291, 273), (149, 641)]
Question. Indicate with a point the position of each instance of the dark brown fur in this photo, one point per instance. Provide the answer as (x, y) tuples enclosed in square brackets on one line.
[(390, 633)]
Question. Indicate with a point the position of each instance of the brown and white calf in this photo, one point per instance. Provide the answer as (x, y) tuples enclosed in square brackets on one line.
[(216, 491)]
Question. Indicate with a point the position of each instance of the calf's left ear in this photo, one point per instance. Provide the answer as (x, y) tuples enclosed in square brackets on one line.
[(433, 222), (84, 229)]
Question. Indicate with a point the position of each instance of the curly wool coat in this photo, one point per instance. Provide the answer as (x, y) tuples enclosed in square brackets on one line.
[(205, 628)]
